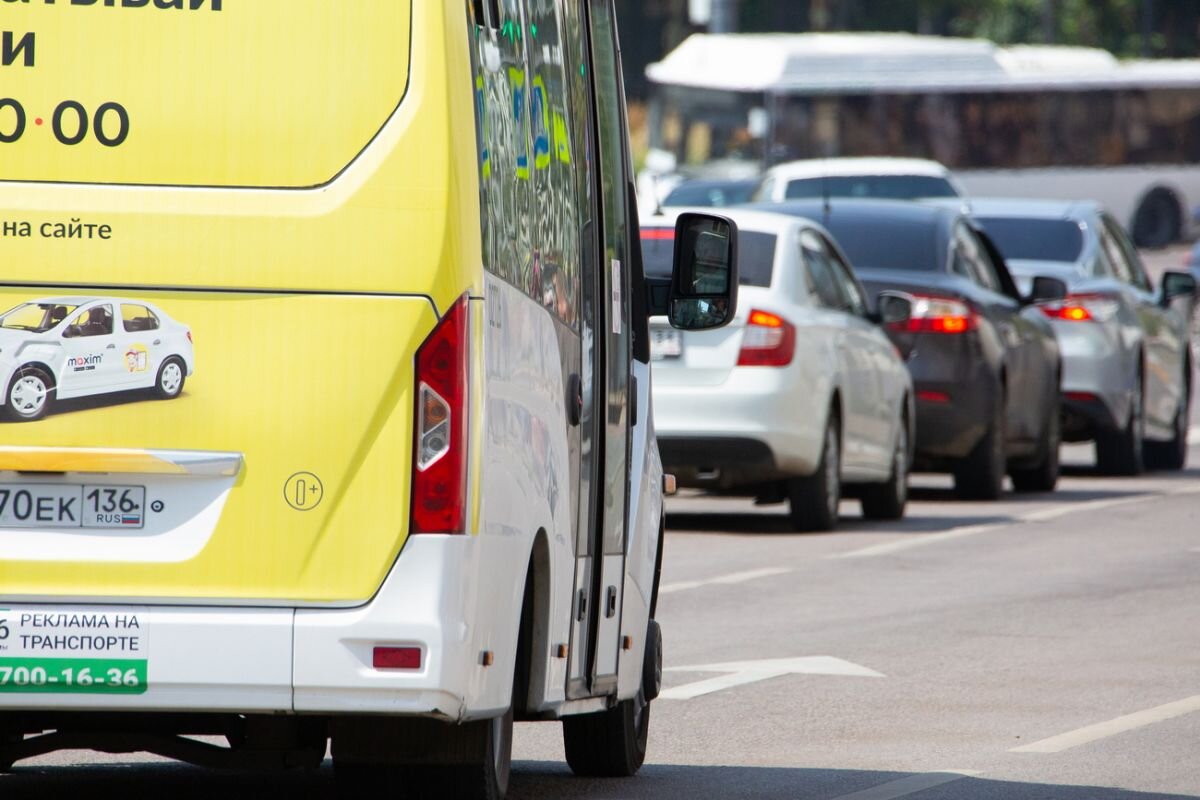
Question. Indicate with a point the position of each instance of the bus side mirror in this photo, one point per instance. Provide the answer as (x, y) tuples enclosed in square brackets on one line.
[(704, 275)]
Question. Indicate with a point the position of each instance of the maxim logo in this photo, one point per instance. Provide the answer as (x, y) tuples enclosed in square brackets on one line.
[(77, 362)]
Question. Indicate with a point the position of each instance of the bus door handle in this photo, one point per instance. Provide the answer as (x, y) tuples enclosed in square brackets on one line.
[(610, 603), (574, 400)]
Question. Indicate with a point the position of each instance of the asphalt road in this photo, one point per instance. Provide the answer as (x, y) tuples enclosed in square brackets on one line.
[(1043, 646)]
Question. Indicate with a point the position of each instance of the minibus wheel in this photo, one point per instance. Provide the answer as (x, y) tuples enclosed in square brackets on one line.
[(609, 744), (428, 758)]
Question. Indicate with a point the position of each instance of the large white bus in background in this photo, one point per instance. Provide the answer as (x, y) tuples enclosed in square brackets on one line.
[(1055, 122), (328, 390)]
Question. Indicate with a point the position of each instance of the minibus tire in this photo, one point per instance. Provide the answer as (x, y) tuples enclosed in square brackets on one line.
[(469, 761), (482, 771), (652, 661), (611, 743)]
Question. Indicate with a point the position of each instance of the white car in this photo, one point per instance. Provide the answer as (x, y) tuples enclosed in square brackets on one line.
[(63, 347), (802, 394), (882, 178)]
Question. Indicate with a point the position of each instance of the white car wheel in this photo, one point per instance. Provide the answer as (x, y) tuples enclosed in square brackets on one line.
[(170, 379), (814, 499), (29, 395)]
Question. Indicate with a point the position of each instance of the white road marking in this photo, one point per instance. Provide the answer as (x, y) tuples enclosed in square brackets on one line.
[(726, 580), (910, 785), (918, 540), (1102, 730), (1056, 511), (740, 673), (1194, 435), (1066, 509)]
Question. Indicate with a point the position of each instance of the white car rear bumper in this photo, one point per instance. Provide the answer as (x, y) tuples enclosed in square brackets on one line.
[(761, 404)]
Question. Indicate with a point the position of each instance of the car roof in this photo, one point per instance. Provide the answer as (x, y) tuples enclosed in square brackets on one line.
[(757, 220), (692, 183), (1019, 208), (80, 300), (849, 167), (855, 209)]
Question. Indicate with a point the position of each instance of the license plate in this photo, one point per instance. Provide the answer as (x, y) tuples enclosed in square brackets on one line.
[(46, 505), (665, 343)]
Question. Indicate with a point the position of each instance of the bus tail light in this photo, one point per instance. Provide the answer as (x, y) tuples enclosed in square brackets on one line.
[(938, 315), (768, 341), (1082, 308), (439, 495)]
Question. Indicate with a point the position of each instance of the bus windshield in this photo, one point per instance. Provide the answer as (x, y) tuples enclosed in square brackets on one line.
[(1035, 239), (890, 187)]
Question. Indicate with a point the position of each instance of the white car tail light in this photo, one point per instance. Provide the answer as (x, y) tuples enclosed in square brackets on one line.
[(932, 314), (439, 495), (768, 341)]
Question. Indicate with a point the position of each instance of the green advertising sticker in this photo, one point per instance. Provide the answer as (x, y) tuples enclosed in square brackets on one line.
[(72, 676)]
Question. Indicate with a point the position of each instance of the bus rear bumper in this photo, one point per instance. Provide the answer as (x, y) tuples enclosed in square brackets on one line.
[(426, 603), (314, 661)]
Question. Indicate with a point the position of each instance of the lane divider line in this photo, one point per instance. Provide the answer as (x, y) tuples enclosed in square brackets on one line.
[(724, 580), (1103, 730), (1066, 509), (1042, 515), (910, 785), (888, 548)]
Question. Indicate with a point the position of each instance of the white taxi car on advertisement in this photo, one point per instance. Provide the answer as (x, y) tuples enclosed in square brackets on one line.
[(802, 398), (65, 347)]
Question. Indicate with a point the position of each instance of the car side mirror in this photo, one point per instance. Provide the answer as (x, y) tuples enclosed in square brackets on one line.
[(893, 308), (704, 275), (71, 332), (1046, 290), (1177, 284)]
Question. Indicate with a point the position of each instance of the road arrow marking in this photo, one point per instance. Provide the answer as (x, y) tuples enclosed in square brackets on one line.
[(740, 673)]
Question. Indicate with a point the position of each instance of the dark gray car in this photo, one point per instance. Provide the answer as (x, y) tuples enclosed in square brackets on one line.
[(984, 360), (1127, 366)]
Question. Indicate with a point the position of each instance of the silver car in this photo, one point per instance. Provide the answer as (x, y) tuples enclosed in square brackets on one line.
[(1126, 362)]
